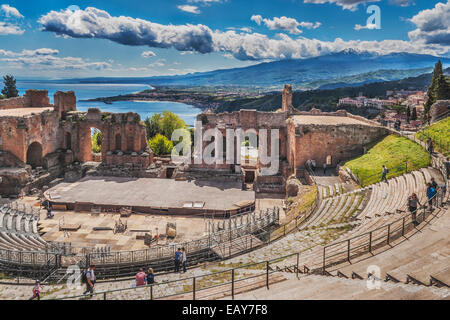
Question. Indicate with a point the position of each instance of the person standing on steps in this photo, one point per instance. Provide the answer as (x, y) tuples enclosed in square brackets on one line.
[(413, 204), (436, 187), (36, 290), (434, 184), (384, 173), (90, 280), (140, 278), (430, 145), (150, 276), (431, 192), (177, 260)]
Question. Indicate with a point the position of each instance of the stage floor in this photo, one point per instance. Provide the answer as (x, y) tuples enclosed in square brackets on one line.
[(149, 192)]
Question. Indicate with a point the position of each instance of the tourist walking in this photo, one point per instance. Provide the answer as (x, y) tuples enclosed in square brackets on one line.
[(434, 184), (140, 278), (36, 290), (324, 168), (384, 173), (90, 280), (413, 204), (177, 260), (150, 276), (183, 259), (50, 213), (430, 145), (431, 192)]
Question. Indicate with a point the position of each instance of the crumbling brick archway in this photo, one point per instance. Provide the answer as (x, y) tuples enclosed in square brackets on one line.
[(34, 155)]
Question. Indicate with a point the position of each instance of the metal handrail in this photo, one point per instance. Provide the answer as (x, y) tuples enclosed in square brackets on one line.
[(278, 259), (232, 270), (370, 233)]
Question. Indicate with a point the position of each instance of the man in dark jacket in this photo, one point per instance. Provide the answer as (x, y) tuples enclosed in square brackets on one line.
[(431, 192)]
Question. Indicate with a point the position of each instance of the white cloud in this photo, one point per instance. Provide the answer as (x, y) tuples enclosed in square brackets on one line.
[(189, 8), (160, 63), (95, 23), (368, 26), (256, 46), (433, 25), (243, 29), (206, 1), (148, 54), (257, 18), (10, 11), (345, 4), (402, 3), (46, 59), (7, 28), (290, 25)]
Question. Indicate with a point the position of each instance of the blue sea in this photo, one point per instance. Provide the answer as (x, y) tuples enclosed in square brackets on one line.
[(97, 90)]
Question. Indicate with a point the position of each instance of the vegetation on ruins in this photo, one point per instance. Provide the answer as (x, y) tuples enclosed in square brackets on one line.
[(439, 88), (97, 142), (160, 145), (397, 153), (440, 134), (10, 89), (164, 123)]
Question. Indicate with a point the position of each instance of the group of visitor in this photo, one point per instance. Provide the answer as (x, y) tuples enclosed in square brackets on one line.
[(433, 192), (143, 279), (180, 260)]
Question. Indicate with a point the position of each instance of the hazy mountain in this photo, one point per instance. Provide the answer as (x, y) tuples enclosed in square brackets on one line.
[(344, 68)]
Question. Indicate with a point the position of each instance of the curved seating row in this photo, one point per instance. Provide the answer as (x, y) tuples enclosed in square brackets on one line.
[(19, 231)]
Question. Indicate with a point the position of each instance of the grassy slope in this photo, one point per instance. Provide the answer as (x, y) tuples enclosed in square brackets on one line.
[(440, 133), (392, 151)]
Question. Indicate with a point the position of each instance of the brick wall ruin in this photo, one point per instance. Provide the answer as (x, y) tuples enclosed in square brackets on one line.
[(50, 137), (298, 143)]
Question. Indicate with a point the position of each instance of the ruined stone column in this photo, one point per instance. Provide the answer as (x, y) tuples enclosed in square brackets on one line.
[(287, 98)]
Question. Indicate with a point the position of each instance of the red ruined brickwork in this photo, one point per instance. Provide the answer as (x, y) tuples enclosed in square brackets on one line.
[(336, 135), (34, 136)]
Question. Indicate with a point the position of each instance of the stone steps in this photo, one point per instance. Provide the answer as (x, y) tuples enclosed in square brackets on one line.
[(315, 287)]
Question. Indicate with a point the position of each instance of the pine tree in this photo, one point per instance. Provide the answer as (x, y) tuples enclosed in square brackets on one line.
[(442, 88), (414, 114), (408, 114), (10, 89), (437, 72)]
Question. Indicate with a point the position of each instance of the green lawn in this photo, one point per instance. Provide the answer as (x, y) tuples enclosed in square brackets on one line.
[(397, 153), (440, 134)]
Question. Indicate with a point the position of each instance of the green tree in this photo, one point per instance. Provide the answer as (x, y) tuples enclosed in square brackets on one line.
[(414, 114), (442, 88), (10, 89), (97, 142), (160, 145), (408, 114), (165, 124), (152, 125), (433, 88), (170, 122)]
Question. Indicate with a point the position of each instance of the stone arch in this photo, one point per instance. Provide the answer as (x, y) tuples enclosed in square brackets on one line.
[(34, 155)]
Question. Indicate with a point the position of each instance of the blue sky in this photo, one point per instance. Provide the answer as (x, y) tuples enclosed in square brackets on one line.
[(109, 38)]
